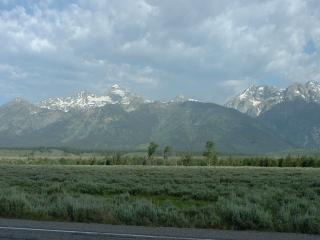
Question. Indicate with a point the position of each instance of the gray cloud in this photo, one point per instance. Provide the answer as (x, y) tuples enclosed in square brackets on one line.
[(207, 50)]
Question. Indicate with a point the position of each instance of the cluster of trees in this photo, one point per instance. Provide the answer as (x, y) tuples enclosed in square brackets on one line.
[(288, 161), (210, 153), (155, 156)]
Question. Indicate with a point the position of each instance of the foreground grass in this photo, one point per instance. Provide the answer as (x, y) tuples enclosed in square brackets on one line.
[(273, 199)]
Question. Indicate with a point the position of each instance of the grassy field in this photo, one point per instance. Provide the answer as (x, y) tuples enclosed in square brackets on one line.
[(273, 199), (60, 157)]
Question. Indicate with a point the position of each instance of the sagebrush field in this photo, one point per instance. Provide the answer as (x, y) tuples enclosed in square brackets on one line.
[(272, 199)]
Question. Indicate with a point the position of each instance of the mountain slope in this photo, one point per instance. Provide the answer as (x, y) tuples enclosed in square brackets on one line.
[(189, 125), (297, 121), (185, 126)]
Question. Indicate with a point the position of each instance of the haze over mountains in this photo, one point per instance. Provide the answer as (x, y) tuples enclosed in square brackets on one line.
[(264, 119)]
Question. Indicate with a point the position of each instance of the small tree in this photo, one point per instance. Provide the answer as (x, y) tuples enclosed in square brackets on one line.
[(116, 158), (152, 149), (210, 153), (166, 152), (186, 159)]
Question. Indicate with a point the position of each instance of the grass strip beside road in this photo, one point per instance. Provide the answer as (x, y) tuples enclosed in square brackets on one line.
[(269, 199)]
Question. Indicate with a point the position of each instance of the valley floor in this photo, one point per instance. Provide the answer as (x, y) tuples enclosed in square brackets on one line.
[(239, 198)]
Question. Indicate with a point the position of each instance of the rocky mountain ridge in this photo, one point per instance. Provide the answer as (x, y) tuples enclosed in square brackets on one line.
[(86, 100), (116, 95), (184, 124), (283, 119), (256, 100)]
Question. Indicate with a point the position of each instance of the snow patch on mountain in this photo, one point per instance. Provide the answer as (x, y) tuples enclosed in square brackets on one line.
[(182, 98), (256, 99), (259, 99), (86, 100)]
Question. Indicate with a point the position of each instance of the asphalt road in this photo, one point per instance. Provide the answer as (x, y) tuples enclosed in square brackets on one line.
[(34, 230)]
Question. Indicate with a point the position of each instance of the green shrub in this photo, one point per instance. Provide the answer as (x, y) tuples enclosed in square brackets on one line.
[(270, 199)]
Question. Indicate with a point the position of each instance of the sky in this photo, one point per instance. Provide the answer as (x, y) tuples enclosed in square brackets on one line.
[(207, 50)]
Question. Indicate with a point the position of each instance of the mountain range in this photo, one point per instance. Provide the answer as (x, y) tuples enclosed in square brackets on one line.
[(85, 100), (262, 119), (256, 100)]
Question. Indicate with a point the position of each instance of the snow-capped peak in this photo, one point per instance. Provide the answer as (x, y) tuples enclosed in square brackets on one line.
[(116, 90), (258, 99), (115, 86), (87, 100), (19, 100), (180, 98), (255, 99), (313, 86)]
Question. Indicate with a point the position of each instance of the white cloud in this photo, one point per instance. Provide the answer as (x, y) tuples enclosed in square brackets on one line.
[(11, 72), (40, 45), (209, 49)]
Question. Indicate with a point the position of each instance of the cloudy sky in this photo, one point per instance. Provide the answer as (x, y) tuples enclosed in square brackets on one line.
[(208, 50)]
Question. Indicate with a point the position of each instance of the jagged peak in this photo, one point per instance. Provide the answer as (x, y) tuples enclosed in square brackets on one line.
[(117, 90), (180, 98), (115, 86), (20, 100), (83, 93), (20, 103), (260, 88), (257, 99), (313, 83), (85, 99)]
